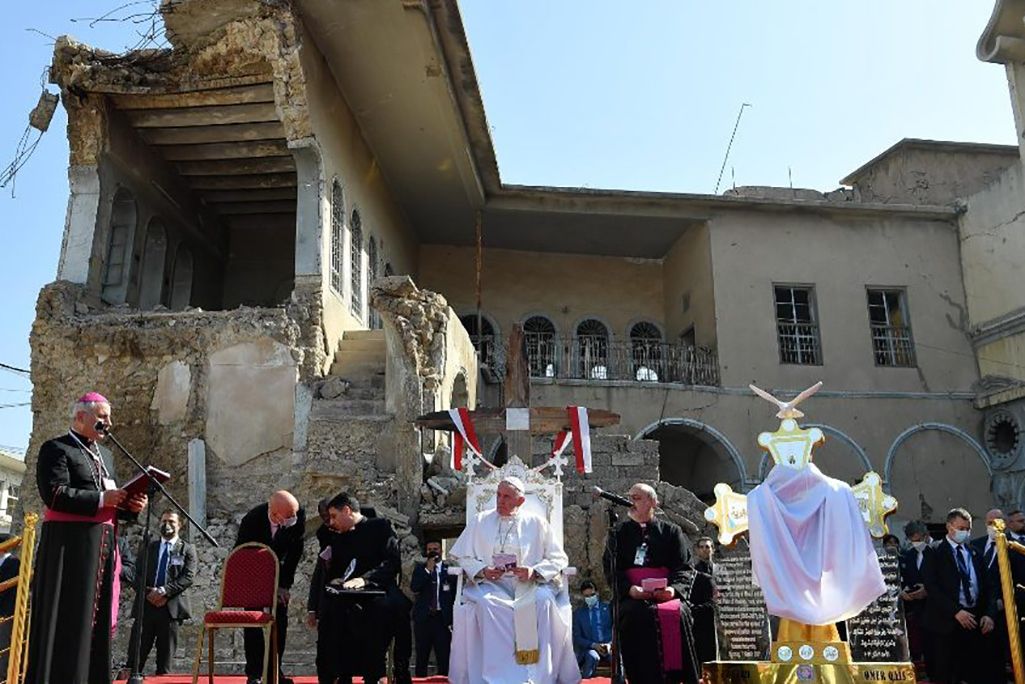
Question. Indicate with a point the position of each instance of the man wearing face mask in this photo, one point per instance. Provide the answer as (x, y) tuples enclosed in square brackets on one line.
[(913, 593), (279, 524), (432, 611), (592, 630), (170, 569), (961, 609), (995, 643)]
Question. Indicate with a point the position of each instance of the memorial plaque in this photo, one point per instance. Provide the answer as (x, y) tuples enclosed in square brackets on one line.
[(741, 621), (878, 634)]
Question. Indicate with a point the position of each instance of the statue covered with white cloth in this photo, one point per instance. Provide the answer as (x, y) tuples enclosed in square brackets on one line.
[(514, 624)]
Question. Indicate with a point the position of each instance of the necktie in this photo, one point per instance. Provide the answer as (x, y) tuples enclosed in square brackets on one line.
[(988, 556), (162, 565), (966, 579), (435, 589)]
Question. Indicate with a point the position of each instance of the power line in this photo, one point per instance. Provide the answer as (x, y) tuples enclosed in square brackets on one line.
[(14, 369)]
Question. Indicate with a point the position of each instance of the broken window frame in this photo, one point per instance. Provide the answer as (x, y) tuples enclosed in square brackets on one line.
[(356, 263), (893, 344), (337, 238), (372, 268), (120, 235), (797, 326)]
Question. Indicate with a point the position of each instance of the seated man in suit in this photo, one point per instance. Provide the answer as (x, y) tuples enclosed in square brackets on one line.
[(170, 569), (432, 611), (592, 630), (962, 605), (279, 524)]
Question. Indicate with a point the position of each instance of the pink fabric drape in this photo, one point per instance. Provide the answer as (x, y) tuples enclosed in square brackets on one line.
[(668, 614), (105, 516)]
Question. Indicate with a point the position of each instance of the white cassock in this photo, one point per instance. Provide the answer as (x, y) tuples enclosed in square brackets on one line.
[(486, 625), (810, 550)]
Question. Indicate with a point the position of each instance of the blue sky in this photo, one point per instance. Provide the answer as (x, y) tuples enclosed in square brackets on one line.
[(594, 93)]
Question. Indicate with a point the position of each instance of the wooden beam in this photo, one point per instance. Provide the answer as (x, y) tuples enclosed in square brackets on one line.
[(257, 181), (235, 167), (268, 195), (544, 420), (263, 92), (217, 115), (240, 208), (241, 150), (212, 134)]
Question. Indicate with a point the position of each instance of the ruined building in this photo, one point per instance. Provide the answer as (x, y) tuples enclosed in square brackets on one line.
[(269, 265)]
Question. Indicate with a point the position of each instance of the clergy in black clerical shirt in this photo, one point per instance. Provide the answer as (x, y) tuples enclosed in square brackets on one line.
[(76, 583), (352, 604)]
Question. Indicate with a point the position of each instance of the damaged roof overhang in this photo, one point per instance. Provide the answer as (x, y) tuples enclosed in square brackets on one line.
[(1003, 40)]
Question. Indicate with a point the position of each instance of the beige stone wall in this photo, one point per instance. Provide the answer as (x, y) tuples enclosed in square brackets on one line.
[(993, 249), (841, 258), (687, 285), (345, 155), (564, 287)]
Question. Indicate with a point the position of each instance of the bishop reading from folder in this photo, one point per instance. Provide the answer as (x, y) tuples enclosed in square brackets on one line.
[(811, 553)]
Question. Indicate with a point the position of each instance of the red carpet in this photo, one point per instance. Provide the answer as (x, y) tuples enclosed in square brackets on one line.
[(239, 679)]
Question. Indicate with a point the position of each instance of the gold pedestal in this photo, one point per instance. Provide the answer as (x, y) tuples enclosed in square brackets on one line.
[(760, 672)]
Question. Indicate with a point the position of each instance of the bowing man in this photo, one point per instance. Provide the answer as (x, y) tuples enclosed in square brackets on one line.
[(655, 626), (515, 625)]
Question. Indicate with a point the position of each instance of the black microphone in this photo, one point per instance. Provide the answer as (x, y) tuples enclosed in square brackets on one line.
[(101, 427), (614, 498)]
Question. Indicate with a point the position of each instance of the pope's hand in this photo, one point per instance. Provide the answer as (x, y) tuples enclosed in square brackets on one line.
[(523, 573), (493, 574), (354, 583)]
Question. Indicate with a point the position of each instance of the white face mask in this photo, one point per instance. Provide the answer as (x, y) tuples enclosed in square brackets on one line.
[(960, 536), (918, 545), (288, 522), (591, 600), (991, 532)]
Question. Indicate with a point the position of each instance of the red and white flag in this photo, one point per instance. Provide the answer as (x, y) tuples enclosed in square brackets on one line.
[(580, 431), (464, 436)]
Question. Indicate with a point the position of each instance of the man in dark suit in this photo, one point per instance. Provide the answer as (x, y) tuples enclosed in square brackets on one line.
[(9, 567), (170, 569), (1016, 525), (703, 594), (432, 610), (279, 524), (913, 593), (592, 630), (961, 607)]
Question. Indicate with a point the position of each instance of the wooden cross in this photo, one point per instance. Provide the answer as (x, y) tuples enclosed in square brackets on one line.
[(518, 421)]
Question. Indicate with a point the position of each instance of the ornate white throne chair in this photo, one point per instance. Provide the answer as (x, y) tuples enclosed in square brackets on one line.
[(543, 497)]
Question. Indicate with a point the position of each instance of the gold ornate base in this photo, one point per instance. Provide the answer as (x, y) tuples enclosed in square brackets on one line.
[(752, 672)]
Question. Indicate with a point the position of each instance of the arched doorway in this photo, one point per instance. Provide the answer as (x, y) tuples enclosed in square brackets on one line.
[(154, 256), (696, 456), (933, 467)]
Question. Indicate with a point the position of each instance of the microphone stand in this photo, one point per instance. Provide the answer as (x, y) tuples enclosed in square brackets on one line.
[(153, 488), (612, 544)]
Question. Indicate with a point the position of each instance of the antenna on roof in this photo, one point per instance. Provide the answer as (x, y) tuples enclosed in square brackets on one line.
[(729, 147)]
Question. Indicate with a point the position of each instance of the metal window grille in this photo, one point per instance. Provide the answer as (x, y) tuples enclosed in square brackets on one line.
[(646, 352), (356, 263), (337, 235), (542, 346), (592, 350), (797, 327), (483, 340), (892, 344)]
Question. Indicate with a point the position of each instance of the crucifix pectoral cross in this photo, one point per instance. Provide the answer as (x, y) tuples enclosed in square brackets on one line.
[(518, 422)]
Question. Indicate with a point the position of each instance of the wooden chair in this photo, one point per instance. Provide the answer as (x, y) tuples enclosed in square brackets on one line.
[(249, 588)]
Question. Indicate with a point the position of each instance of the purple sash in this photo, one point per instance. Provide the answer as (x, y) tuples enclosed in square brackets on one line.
[(668, 614)]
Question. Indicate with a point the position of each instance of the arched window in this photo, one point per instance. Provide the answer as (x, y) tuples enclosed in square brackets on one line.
[(375, 317), (154, 255), (592, 344), (356, 262), (646, 351), (539, 332), (181, 281), (483, 339), (337, 237), (123, 217)]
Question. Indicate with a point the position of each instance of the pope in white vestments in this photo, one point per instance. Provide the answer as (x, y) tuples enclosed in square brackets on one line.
[(514, 624)]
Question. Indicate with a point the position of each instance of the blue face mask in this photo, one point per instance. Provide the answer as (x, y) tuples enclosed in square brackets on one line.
[(961, 536), (591, 600)]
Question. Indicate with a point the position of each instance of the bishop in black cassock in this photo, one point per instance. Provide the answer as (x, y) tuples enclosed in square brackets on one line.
[(75, 585)]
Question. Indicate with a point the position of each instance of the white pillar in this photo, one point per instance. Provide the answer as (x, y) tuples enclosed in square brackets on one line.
[(197, 481)]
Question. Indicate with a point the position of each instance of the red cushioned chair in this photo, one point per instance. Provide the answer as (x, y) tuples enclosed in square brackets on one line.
[(249, 588)]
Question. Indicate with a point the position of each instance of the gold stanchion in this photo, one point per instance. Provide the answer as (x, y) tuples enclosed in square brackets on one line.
[(19, 628), (1010, 607)]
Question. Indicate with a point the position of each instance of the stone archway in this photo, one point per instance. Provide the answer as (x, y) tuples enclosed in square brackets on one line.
[(933, 467), (696, 456), (841, 457)]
